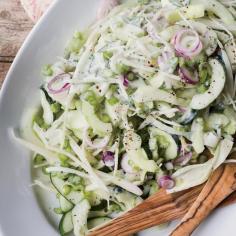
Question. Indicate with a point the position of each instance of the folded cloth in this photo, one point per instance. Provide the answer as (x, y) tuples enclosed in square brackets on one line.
[(35, 8)]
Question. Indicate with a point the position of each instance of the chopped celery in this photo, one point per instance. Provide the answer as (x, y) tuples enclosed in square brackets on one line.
[(44, 170), (63, 157), (105, 118), (122, 69), (131, 76), (55, 107), (47, 70), (76, 43), (154, 187), (113, 100), (107, 55), (93, 99), (58, 211), (74, 179), (39, 120), (113, 88), (39, 159), (141, 34), (66, 189)]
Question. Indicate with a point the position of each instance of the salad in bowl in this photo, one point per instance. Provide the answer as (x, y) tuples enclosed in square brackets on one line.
[(142, 99)]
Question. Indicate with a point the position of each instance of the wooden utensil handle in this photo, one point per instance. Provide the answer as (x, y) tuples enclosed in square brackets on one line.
[(220, 185), (157, 209)]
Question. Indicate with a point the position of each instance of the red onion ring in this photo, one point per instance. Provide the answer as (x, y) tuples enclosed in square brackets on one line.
[(187, 76), (56, 79), (183, 159), (108, 158), (182, 48), (125, 82), (166, 182)]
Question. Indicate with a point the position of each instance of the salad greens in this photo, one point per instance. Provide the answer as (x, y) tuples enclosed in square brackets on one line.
[(138, 102)]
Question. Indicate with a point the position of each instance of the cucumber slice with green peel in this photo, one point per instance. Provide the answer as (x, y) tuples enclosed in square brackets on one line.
[(217, 8), (201, 101), (190, 12), (165, 141), (197, 136), (216, 121), (97, 221), (73, 197), (99, 127), (57, 183), (66, 225), (139, 158), (65, 204), (80, 216)]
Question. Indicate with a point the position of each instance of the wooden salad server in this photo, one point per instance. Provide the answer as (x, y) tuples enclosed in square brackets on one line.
[(219, 186), (162, 207)]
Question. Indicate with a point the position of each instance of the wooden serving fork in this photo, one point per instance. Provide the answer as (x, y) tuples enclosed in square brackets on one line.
[(162, 207), (220, 185)]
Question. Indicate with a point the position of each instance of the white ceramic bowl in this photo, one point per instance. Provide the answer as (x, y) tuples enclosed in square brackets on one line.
[(20, 211)]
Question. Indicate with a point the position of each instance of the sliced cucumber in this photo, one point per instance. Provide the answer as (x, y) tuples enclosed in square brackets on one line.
[(129, 200), (197, 135), (140, 159), (171, 149), (57, 183), (97, 221), (75, 120), (73, 197), (217, 8), (99, 127), (200, 101), (79, 217), (190, 12), (66, 224), (65, 204), (216, 121)]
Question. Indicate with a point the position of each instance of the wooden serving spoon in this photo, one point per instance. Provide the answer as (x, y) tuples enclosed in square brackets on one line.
[(162, 207), (220, 185)]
